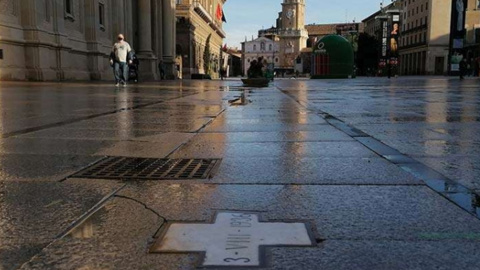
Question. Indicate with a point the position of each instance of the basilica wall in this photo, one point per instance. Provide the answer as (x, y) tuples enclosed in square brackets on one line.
[(46, 40)]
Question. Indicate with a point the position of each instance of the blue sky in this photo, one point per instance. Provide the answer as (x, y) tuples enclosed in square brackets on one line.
[(246, 17)]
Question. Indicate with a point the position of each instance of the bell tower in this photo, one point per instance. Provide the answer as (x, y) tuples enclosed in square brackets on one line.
[(293, 14), (293, 35)]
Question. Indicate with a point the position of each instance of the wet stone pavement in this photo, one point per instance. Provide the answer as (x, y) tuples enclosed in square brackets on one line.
[(339, 174)]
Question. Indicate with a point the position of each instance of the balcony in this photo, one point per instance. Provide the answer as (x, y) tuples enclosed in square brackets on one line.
[(203, 13)]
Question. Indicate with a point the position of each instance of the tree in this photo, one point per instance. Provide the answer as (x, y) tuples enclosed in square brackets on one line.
[(207, 56)]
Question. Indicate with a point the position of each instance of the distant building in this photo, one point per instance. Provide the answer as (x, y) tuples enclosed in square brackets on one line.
[(260, 47), (472, 25), (371, 25), (197, 20), (424, 39), (233, 62), (286, 40), (319, 31)]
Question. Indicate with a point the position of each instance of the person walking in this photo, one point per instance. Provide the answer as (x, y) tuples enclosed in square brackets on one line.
[(121, 54)]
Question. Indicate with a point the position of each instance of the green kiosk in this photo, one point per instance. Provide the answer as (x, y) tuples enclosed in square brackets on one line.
[(333, 58)]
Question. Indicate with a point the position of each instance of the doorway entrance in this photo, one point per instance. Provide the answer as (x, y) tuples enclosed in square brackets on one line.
[(439, 64)]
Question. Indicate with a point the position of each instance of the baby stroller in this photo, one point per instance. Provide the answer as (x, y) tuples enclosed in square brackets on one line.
[(133, 68)]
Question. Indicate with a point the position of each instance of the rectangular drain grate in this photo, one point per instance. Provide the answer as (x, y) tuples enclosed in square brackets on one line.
[(124, 168)]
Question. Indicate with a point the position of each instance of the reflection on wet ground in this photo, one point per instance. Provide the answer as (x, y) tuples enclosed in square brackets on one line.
[(435, 120), (404, 152)]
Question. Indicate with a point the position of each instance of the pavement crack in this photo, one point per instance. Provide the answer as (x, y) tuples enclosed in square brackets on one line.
[(143, 204), (164, 219)]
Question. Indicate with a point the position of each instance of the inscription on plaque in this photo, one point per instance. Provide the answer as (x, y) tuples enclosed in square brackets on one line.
[(234, 239)]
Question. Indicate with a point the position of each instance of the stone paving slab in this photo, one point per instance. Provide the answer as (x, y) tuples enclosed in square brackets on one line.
[(145, 118), (156, 146), (436, 148), (327, 134), (126, 124), (307, 119), (372, 242), (328, 171), (215, 128), (381, 255), (32, 214), (404, 131), (47, 146), (464, 169), (91, 134), (15, 167), (116, 237), (337, 212), (273, 149)]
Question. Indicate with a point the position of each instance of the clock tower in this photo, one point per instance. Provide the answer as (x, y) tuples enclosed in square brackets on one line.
[(292, 33), (293, 14)]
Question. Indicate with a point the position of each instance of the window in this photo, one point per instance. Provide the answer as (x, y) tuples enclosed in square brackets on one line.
[(262, 46), (68, 6), (101, 16), (270, 46), (69, 12), (254, 47)]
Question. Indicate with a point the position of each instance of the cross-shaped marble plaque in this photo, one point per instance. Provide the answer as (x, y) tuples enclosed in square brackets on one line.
[(235, 239)]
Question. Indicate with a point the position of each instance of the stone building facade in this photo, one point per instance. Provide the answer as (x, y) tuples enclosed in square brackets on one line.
[(424, 45), (318, 31), (472, 25), (292, 33), (197, 20), (425, 41), (260, 47), (44, 40)]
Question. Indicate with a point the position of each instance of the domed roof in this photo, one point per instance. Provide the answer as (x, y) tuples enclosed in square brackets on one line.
[(340, 58), (332, 44)]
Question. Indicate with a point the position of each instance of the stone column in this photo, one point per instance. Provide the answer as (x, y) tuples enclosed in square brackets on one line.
[(169, 38), (94, 55), (145, 27), (144, 52)]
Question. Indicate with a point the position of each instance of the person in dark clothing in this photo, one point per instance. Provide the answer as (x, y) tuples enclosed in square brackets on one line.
[(463, 68), (133, 67), (161, 68)]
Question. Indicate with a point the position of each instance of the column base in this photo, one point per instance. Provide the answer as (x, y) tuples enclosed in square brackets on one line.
[(147, 70), (171, 72)]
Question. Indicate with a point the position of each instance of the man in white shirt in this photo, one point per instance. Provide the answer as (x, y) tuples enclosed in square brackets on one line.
[(119, 57)]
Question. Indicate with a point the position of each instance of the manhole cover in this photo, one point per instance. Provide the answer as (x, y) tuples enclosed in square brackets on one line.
[(124, 168)]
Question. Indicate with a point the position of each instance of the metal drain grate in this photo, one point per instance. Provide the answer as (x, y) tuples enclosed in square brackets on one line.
[(123, 168)]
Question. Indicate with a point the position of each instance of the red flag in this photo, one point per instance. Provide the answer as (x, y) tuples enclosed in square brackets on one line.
[(219, 12)]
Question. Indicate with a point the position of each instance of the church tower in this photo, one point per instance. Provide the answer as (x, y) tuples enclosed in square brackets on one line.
[(293, 35), (293, 14)]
